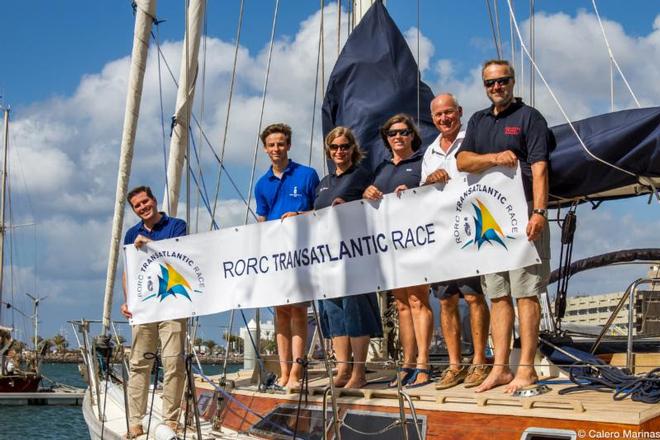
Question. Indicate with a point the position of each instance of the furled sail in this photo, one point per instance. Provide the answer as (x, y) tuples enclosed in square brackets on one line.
[(375, 77), (184, 102), (145, 12), (628, 139)]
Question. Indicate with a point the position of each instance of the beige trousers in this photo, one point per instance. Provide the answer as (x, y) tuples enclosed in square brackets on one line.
[(172, 336)]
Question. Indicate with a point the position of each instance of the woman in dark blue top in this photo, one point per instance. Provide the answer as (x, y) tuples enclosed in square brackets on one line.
[(399, 173), (352, 320)]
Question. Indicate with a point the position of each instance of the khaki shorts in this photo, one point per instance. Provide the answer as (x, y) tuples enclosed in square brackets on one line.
[(522, 283)]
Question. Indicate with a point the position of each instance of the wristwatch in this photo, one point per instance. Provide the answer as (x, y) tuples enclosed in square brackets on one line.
[(540, 211)]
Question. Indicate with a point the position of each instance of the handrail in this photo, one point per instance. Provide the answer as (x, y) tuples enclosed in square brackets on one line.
[(630, 294)]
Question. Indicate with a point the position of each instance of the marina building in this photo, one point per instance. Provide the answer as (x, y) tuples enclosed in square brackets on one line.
[(595, 310)]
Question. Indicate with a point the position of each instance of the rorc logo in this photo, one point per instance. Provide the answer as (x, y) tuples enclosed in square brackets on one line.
[(162, 281), (483, 216)]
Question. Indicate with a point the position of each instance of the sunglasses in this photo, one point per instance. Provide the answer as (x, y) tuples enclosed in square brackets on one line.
[(404, 132), (342, 147), (501, 81)]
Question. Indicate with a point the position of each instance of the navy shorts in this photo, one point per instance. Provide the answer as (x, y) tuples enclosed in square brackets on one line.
[(461, 286)]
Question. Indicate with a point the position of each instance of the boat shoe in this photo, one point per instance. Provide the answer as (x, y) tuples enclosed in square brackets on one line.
[(450, 378), (476, 374)]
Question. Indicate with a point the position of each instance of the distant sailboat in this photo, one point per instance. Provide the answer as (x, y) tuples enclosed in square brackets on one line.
[(13, 379)]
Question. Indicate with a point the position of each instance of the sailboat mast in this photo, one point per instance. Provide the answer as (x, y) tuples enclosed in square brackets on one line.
[(2, 201), (184, 101), (144, 17)]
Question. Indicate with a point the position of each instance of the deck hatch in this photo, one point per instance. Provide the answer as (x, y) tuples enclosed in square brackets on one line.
[(548, 434), (280, 423), (370, 422)]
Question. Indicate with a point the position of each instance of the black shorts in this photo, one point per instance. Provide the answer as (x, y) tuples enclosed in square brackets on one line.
[(462, 286)]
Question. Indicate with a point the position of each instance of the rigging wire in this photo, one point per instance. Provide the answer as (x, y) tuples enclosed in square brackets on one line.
[(156, 38), (512, 42), (532, 33), (613, 59), (554, 98), (492, 28), (316, 88), (323, 161), (186, 41), (201, 189), (419, 62), (338, 27), (202, 103), (206, 139), (497, 25), (229, 101), (263, 105)]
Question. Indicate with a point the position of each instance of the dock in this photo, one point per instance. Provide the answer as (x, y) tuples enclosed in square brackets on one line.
[(63, 396)]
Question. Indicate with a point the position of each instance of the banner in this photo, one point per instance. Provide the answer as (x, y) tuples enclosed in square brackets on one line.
[(473, 225)]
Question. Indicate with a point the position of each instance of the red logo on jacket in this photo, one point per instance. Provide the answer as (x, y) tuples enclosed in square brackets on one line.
[(512, 131)]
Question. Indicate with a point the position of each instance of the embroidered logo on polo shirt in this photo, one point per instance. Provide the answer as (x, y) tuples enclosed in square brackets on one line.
[(512, 131), (295, 192), (409, 169)]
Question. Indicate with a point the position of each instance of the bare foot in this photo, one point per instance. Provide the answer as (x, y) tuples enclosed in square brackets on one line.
[(293, 382), (496, 377), (525, 376), (341, 380), (420, 378), (358, 382)]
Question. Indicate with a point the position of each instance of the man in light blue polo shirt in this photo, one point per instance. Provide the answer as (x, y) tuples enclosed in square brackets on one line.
[(287, 189)]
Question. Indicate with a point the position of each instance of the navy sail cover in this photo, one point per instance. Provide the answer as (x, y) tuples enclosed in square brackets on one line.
[(376, 76)]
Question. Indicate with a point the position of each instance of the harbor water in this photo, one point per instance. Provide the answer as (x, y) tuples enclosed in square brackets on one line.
[(53, 422)]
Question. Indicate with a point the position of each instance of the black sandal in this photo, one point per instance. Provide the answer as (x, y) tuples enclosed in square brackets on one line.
[(410, 374)]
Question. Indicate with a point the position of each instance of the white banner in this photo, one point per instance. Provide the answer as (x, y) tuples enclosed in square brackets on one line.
[(473, 226)]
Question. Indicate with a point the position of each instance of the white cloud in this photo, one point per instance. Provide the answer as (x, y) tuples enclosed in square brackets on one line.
[(426, 49), (572, 56), (68, 146)]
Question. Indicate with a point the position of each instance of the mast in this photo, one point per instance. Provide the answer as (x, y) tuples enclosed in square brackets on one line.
[(184, 101), (2, 201), (145, 12)]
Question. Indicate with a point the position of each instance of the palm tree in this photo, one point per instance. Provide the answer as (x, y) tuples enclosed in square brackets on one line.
[(210, 344), (60, 342)]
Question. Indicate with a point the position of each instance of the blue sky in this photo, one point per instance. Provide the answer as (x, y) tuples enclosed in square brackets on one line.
[(64, 68)]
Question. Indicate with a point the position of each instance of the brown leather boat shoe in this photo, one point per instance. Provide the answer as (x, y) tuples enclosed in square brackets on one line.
[(476, 374), (450, 378)]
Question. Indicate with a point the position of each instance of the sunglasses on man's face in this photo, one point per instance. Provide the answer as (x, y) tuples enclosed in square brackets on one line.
[(501, 81), (404, 132), (342, 147)]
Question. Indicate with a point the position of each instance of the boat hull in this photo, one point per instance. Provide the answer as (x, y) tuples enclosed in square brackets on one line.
[(439, 424), (20, 384)]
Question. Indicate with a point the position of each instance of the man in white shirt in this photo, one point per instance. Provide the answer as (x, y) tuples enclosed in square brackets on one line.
[(439, 166)]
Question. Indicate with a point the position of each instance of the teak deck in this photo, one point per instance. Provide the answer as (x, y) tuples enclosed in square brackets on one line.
[(458, 412)]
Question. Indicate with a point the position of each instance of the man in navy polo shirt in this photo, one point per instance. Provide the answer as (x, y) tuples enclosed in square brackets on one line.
[(287, 189), (504, 134), (153, 225)]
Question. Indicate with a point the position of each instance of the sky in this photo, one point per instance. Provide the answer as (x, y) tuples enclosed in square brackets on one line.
[(64, 71)]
